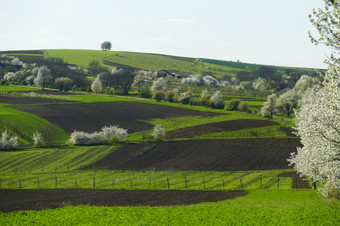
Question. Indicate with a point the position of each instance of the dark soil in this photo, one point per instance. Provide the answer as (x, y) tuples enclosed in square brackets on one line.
[(298, 182), (40, 199), (27, 100), (195, 131), (92, 117), (201, 155)]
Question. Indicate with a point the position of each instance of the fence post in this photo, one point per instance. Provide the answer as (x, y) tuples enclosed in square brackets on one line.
[(94, 182), (149, 183), (223, 184), (241, 184), (168, 183), (38, 182), (203, 184), (131, 184), (56, 182), (186, 183), (278, 182)]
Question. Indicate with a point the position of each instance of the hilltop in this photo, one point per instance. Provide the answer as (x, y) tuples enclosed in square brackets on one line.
[(148, 61)]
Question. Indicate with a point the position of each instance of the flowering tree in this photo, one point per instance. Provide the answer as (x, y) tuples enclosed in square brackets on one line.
[(8, 142), (38, 139), (139, 83), (96, 85), (318, 120), (159, 84), (44, 77), (158, 132), (318, 125), (217, 100), (287, 102), (269, 107)]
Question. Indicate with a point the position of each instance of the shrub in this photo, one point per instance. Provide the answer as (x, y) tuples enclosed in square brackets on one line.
[(232, 105), (145, 94), (205, 100), (243, 106), (169, 96), (107, 135), (195, 101), (217, 100), (158, 95), (185, 97), (158, 132), (8, 142)]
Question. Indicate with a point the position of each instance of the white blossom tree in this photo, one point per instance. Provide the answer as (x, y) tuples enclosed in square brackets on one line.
[(159, 84), (38, 139), (44, 77), (287, 102), (318, 120), (96, 85), (217, 100), (7, 141), (318, 125), (158, 132), (269, 107), (139, 83)]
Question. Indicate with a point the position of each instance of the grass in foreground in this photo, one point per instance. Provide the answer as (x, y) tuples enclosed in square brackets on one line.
[(259, 207)]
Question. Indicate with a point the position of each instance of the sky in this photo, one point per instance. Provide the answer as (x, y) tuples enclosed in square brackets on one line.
[(270, 32)]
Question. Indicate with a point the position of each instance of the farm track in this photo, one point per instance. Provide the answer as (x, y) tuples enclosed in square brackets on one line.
[(201, 155), (40, 199)]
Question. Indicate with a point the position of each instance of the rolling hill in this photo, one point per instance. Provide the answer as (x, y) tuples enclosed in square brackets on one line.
[(146, 61)]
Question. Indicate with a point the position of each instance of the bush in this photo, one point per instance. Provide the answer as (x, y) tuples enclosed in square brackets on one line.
[(195, 101), (158, 95), (169, 96), (217, 100), (145, 94), (205, 101), (243, 106), (8, 142), (232, 105), (107, 135), (185, 98)]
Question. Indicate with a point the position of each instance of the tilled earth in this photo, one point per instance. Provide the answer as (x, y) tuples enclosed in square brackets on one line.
[(40, 199), (207, 155), (90, 117)]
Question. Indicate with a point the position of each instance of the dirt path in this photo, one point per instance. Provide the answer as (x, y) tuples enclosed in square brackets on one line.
[(39, 199)]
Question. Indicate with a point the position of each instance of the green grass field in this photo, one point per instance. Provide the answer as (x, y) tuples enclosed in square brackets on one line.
[(259, 207)]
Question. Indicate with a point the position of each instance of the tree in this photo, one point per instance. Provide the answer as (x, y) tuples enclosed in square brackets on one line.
[(327, 23), (139, 83), (318, 125), (122, 80), (106, 45), (268, 107), (38, 139), (44, 77), (158, 132), (96, 85), (318, 120), (159, 84), (217, 100), (287, 102), (63, 83), (8, 142)]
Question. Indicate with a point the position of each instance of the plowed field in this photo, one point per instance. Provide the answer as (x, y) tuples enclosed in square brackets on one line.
[(39, 199), (205, 155), (92, 117)]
